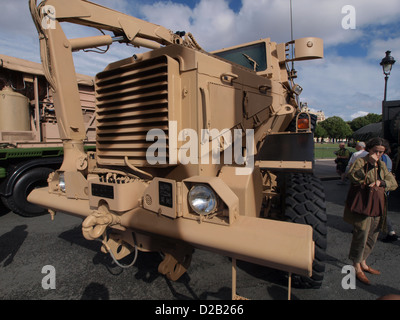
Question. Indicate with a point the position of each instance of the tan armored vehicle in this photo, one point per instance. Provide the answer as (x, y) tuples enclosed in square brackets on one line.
[(193, 149), (30, 144)]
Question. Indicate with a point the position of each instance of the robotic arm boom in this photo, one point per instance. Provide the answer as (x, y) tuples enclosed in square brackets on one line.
[(56, 55)]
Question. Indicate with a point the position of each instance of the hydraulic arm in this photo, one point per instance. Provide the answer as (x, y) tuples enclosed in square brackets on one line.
[(56, 55)]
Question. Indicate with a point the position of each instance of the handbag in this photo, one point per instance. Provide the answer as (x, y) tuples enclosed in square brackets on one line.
[(365, 200)]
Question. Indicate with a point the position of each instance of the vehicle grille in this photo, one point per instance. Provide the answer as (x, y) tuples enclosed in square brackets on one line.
[(131, 99)]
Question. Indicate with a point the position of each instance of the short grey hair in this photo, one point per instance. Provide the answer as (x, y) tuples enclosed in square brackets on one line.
[(361, 144)]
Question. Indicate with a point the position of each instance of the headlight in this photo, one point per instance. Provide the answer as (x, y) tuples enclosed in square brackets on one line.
[(202, 199), (61, 181), (297, 89)]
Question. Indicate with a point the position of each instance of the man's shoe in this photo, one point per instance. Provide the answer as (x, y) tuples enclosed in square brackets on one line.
[(362, 277), (370, 270)]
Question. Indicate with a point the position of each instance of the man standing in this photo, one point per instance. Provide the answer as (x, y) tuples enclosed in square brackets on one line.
[(342, 158), (360, 147)]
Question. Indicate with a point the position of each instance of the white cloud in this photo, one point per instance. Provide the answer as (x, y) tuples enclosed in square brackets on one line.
[(377, 50), (359, 114), (212, 22), (342, 86), (168, 14), (338, 85), (213, 19)]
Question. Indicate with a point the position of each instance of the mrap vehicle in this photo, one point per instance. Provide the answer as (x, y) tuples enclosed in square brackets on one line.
[(193, 149)]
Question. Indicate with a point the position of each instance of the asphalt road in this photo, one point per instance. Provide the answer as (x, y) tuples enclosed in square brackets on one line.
[(27, 245)]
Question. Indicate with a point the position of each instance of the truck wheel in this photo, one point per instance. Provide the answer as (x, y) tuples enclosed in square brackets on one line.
[(17, 202), (304, 203)]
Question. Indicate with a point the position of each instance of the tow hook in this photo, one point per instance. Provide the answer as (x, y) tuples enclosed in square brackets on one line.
[(96, 224)]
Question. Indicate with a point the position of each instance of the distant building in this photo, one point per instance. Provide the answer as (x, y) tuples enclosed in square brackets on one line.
[(320, 114)]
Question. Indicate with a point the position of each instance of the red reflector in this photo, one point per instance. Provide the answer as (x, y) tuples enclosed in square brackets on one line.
[(303, 124)]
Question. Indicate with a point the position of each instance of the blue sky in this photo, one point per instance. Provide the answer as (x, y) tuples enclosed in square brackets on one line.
[(348, 82)]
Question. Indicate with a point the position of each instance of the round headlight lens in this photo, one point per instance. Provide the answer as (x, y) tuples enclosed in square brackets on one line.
[(61, 182), (202, 199)]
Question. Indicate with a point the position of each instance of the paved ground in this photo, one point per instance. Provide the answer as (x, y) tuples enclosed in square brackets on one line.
[(325, 169), (83, 272)]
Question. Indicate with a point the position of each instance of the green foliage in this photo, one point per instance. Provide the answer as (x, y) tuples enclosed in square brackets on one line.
[(360, 122), (320, 132), (336, 128)]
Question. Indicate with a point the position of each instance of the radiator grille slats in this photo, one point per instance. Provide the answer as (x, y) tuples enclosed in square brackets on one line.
[(130, 100)]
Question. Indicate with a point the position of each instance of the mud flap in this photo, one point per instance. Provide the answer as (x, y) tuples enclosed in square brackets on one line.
[(176, 262), (288, 151)]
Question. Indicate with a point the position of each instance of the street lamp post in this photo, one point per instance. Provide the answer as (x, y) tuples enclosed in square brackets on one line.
[(387, 63)]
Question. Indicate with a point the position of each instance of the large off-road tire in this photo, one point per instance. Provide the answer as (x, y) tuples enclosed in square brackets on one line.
[(304, 203), (17, 202)]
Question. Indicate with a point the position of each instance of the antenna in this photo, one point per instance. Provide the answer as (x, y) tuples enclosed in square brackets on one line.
[(291, 31), (292, 71)]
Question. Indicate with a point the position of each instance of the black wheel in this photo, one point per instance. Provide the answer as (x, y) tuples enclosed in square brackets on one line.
[(17, 202), (304, 203)]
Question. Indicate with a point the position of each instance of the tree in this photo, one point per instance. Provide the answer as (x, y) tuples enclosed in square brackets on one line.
[(320, 132), (360, 122), (336, 128)]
